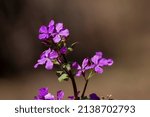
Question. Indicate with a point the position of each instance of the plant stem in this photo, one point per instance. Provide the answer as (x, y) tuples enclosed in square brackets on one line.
[(70, 74), (85, 86), (74, 86)]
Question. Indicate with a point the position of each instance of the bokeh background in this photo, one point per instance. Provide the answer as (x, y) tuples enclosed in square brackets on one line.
[(118, 28)]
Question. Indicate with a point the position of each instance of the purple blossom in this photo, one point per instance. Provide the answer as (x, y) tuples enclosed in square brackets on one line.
[(60, 95), (81, 69), (45, 32), (43, 94), (55, 32), (47, 58), (63, 50), (60, 32), (49, 96), (43, 91), (93, 96), (99, 62)]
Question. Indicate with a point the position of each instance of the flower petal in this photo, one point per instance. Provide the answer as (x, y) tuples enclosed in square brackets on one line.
[(36, 65), (89, 67), (51, 23), (46, 53), (100, 54), (41, 61), (110, 62), (79, 73), (43, 29), (59, 26), (57, 39), (60, 95), (43, 91), (53, 54), (85, 63), (95, 59), (76, 65), (43, 36), (64, 33), (49, 64), (105, 62), (49, 96), (98, 70), (51, 29)]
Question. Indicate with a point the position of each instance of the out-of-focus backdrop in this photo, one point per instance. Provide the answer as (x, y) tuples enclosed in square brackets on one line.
[(118, 28)]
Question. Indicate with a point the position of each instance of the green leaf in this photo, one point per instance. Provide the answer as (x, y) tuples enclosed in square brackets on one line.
[(59, 73), (68, 67), (70, 49), (63, 77), (55, 62)]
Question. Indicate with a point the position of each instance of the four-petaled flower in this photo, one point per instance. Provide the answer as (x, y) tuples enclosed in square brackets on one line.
[(99, 62), (55, 32), (81, 69), (46, 32), (60, 33), (47, 58), (45, 95)]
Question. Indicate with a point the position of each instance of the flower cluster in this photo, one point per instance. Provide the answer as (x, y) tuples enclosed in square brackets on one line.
[(45, 95), (54, 36), (56, 32), (96, 63)]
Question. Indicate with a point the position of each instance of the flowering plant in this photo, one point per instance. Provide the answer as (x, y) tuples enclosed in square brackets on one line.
[(55, 37)]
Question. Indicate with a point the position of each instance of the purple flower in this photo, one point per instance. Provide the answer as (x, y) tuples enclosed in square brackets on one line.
[(99, 62), (93, 96), (56, 32), (60, 32), (47, 58), (49, 96), (43, 91), (45, 32), (45, 95), (81, 69), (63, 50), (60, 95)]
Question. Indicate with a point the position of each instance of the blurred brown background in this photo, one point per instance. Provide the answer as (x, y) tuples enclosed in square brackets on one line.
[(119, 28)]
